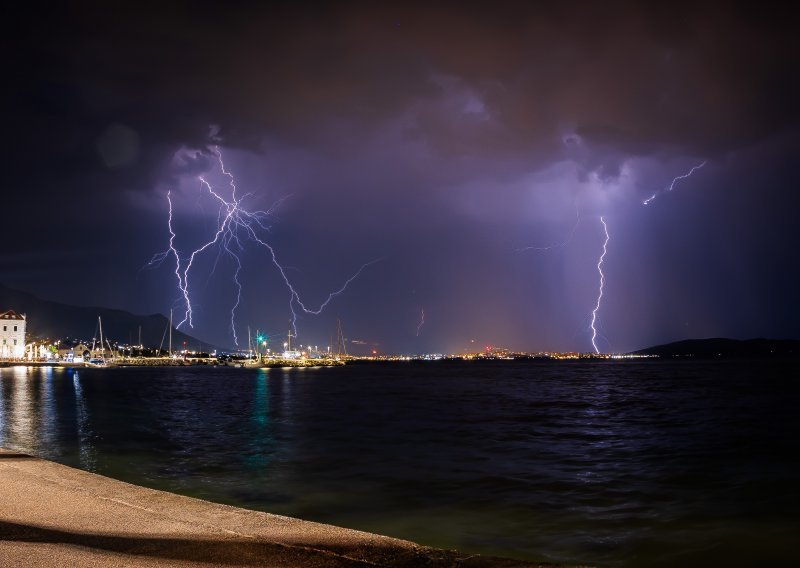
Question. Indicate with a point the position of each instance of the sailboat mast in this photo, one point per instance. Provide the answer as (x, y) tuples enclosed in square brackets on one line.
[(100, 324), (170, 333), (341, 347)]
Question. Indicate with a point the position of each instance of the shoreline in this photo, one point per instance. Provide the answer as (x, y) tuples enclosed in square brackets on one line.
[(155, 362), (55, 515)]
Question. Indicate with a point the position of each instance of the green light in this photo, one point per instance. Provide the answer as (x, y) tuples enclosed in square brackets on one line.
[(260, 338)]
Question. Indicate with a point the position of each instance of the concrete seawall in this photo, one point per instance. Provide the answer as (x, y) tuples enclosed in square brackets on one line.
[(54, 515)]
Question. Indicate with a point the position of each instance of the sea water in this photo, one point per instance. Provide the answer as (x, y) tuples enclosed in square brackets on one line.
[(655, 463)]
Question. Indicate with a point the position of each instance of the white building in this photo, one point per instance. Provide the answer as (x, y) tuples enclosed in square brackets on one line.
[(12, 335)]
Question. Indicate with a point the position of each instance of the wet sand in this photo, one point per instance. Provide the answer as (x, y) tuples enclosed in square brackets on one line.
[(54, 515)]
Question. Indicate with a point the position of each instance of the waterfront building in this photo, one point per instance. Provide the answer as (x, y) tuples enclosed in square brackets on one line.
[(75, 354), (12, 335)]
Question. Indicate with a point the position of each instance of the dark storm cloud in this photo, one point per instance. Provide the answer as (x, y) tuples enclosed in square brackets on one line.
[(694, 79)]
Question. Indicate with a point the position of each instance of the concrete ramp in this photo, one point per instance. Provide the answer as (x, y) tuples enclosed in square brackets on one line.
[(54, 515)]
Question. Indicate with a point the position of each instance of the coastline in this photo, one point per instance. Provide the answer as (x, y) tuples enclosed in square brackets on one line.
[(166, 362), (55, 515)]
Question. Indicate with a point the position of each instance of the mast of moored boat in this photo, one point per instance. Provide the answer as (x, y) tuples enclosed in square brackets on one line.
[(102, 344), (170, 332)]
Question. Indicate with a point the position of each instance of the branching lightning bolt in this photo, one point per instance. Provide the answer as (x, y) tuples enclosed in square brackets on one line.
[(235, 226), (421, 321), (602, 283), (671, 186)]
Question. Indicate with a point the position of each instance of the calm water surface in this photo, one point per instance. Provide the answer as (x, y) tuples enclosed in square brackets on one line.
[(615, 464)]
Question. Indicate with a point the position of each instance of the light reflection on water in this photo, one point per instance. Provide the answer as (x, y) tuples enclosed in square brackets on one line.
[(86, 450), (605, 463)]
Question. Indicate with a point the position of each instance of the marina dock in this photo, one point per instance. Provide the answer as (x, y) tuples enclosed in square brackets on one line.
[(180, 362)]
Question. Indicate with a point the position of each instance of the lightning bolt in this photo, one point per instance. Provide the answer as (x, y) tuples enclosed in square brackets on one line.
[(235, 226), (159, 258), (238, 297), (671, 186), (602, 283), (421, 321), (647, 201)]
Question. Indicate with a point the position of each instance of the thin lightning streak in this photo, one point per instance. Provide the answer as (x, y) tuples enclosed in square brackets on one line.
[(294, 297), (226, 172), (238, 297), (173, 249), (602, 282), (563, 243), (235, 224), (159, 258), (671, 186), (421, 321), (332, 295)]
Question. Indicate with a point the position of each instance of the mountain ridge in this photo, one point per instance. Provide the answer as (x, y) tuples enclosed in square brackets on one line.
[(57, 320), (716, 347)]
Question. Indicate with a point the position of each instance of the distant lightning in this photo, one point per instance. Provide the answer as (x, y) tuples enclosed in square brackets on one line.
[(602, 283), (671, 186), (562, 243), (600, 261), (238, 297), (647, 201), (421, 321), (235, 226)]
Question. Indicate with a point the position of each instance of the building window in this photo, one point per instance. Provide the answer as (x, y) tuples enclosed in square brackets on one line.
[(15, 342), (15, 328), (5, 328), (5, 341)]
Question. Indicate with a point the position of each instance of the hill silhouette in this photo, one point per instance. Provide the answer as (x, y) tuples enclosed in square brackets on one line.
[(723, 347), (54, 320)]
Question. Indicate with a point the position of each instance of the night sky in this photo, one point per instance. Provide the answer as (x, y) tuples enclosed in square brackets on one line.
[(453, 141)]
